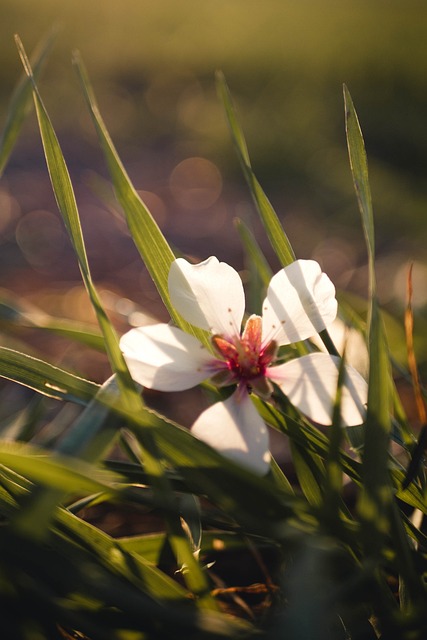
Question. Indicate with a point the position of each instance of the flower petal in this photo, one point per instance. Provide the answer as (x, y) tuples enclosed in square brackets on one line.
[(236, 430), (209, 295), (165, 358), (300, 302), (310, 383), (356, 351)]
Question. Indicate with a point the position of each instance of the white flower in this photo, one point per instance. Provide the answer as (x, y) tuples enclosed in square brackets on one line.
[(300, 302)]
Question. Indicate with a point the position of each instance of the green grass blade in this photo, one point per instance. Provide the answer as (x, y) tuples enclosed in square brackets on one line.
[(257, 266), (116, 557), (334, 472), (21, 102), (274, 229), (150, 545), (57, 168), (96, 428), (412, 584), (15, 314), (305, 435), (149, 240), (378, 513), (59, 472), (376, 496), (333, 504), (253, 251), (310, 473), (45, 378), (359, 170)]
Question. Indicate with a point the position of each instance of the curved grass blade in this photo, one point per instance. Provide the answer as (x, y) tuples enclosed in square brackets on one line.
[(150, 545), (377, 511), (116, 557), (257, 266), (376, 498), (21, 102), (274, 229), (310, 473), (311, 438), (14, 314), (333, 503), (45, 378), (59, 472), (256, 260), (417, 458), (150, 242)]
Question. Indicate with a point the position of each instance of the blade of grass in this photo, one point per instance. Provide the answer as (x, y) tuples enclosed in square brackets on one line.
[(21, 102), (149, 240), (114, 556), (310, 473), (376, 497), (253, 251), (66, 474), (150, 545), (333, 503), (274, 229), (45, 378), (15, 314), (375, 506), (307, 436), (256, 265)]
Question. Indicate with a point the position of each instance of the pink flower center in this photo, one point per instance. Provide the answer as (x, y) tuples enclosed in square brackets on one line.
[(245, 359)]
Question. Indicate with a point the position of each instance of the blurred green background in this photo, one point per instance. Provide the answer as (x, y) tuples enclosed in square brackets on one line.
[(152, 65)]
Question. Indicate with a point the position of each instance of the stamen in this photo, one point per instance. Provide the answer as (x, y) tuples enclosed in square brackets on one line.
[(224, 348), (245, 362), (252, 333)]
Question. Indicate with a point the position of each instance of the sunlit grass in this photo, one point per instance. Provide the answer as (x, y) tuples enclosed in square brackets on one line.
[(332, 538)]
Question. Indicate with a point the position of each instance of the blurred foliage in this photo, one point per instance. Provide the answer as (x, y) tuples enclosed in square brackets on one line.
[(336, 538), (285, 61), (154, 64)]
